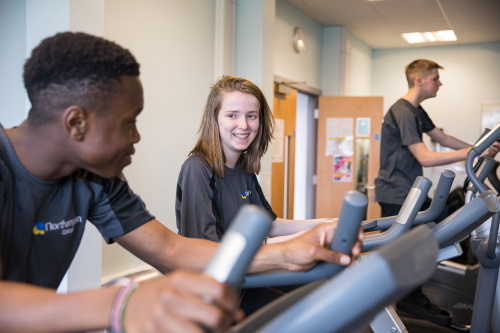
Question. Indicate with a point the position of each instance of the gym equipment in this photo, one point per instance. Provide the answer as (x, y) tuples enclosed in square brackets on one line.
[(470, 219), (341, 304), (453, 285), (351, 214), (312, 309), (239, 245), (430, 215), (485, 247), (404, 220)]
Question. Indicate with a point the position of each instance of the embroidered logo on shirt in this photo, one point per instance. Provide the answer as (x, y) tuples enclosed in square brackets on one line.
[(39, 228), (66, 227), (245, 194)]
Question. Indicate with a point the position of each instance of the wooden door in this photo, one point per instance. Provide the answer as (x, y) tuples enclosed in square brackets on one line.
[(348, 151), (283, 152)]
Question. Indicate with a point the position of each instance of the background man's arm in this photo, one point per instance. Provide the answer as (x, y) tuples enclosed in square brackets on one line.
[(430, 158), (447, 140)]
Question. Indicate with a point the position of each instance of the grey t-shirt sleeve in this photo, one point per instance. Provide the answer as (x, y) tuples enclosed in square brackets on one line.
[(427, 124), (193, 205), (116, 209), (407, 124)]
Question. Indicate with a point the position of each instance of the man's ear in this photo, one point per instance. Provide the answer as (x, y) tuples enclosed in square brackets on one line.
[(418, 80), (76, 121)]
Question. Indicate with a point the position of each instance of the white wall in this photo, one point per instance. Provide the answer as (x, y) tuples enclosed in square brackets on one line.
[(13, 55), (174, 43), (304, 66), (359, 68)]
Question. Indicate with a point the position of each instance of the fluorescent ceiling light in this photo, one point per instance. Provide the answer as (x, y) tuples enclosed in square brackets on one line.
[(445, 35), (430, 36), (414, 37)]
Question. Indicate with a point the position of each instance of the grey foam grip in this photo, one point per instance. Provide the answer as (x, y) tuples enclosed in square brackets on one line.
[(239, 245), (438, 203), (463, 221), (429, 215), (405, 217)]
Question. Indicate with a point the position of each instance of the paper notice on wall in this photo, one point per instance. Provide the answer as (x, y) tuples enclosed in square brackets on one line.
[(363, 127), (339, 131), (278, 147)]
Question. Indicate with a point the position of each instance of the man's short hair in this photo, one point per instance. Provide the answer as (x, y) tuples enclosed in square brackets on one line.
[(419, 67), (74, 68)]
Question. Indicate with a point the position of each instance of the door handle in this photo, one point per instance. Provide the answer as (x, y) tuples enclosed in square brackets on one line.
[(369, 187)]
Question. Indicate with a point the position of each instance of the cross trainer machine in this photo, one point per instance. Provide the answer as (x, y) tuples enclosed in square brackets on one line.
[(453, 285)]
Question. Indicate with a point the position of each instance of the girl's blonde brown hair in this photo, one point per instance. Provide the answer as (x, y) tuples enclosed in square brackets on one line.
[(209, 145)]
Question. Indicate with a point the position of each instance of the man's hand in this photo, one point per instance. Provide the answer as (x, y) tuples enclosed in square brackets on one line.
[(492, 150), (182, 302), (304, 251)]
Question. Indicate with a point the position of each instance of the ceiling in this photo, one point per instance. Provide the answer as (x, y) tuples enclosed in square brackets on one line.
[(380, 23)]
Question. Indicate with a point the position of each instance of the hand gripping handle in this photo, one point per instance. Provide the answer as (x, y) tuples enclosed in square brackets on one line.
[(351, 215)]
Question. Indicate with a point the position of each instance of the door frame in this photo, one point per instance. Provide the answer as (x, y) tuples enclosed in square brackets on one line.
[(305, 148)]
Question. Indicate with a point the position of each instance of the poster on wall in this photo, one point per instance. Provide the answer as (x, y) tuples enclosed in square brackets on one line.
[(340, 145), (278, 142), (342, 168)]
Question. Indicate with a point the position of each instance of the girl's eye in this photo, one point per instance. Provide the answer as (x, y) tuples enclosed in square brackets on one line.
[(252, 116)]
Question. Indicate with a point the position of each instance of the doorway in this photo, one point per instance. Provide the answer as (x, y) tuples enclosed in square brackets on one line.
[(294, 153)]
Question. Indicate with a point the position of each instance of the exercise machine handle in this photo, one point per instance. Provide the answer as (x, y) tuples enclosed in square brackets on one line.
[(481, 172), (493, 177), (487, 140), (429, 215), (349, 301), (438, 202), (463, 221), (405, 217), (352, 213), (239, 245)]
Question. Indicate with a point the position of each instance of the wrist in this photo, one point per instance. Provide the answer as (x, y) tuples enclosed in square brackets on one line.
[(127, 287)]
